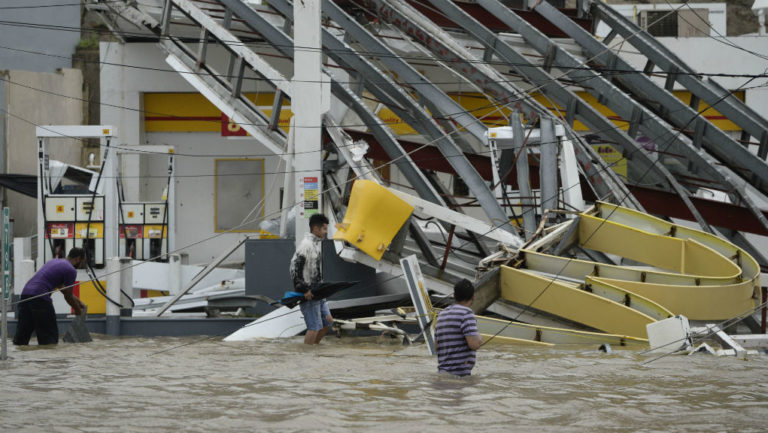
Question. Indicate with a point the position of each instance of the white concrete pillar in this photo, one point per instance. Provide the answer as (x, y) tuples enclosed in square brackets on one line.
[(126, 281), (22, 274), (174, 274), (114, 279), (309, 102), (760, 8)]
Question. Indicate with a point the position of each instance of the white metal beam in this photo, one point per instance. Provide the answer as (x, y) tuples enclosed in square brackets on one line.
[(74, 131), (460, 220), (227, 108)]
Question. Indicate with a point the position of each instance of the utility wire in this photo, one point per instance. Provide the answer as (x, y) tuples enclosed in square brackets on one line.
[(604, 220), (139, 150), (593, 232), (722, 326), (362, 52), (231, 230), (723, 39)]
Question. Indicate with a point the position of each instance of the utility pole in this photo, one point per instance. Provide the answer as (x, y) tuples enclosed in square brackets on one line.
[(6, 295)]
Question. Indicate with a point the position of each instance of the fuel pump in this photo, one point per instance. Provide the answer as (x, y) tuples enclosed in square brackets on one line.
[(76, 209), (131, 231), (144, 231), (89, 228), (73, 220), (155, 231), (60, 226)]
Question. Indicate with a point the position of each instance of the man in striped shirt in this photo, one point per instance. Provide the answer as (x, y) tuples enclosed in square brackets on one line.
[(456, 333)]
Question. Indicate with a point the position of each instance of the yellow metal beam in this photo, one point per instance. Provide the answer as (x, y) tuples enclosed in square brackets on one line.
[(690, 272), (580, 306)]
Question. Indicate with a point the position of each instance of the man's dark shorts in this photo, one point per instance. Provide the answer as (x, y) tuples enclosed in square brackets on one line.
[(38, 316)]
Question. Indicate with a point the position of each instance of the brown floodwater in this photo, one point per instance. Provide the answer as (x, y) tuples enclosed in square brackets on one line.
[(374, 384)]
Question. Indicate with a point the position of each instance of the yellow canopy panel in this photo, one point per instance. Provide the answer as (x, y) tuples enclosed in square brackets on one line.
[(374, 216)]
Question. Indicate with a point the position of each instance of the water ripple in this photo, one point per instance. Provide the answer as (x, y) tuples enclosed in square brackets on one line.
[(368, 384)]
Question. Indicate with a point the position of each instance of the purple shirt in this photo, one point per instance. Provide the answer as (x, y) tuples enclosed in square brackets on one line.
[(55, 273), (454, 324)]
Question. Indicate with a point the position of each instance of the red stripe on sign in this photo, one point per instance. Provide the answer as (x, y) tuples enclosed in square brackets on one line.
[(183, 118), (76, 292)]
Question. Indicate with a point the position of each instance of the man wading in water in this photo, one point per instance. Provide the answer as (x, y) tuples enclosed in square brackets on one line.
[(307, 273), (456, 333), (37, 314)]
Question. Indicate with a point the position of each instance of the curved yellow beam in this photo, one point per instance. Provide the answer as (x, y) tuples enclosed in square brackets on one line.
[(685, 256), (578, 269), (689, 272), (564, 300), (523, 333), (695, 302), (642, 221)]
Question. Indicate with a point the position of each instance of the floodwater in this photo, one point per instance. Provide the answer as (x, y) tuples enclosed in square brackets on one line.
[(358, 384)]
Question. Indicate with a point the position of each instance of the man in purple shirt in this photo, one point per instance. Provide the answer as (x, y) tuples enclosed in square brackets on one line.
[(36, 312), (456, 334)]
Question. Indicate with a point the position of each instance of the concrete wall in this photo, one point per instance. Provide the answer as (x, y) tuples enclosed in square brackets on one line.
[(195, 182), (45, 46), (35, 98)]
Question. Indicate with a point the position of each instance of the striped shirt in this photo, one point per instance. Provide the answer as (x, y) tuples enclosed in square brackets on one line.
[(453, 353)]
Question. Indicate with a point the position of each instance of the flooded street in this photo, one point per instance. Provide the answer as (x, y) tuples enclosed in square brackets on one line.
[(368, 384)]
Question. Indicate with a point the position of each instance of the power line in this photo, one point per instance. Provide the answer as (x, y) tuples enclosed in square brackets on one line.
[(620, 200), (480, 108), (136, 149), (361, 52), (724, 39), (50, 5), (557, 275)]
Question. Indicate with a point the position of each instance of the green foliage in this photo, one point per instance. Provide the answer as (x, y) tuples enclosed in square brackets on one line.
[(89, 42)]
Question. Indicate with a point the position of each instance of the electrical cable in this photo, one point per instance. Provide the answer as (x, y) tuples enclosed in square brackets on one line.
[(725, 324), (259, 321), (86, 244), (267, 45), (196, 155), (390, 162), (557, 275)]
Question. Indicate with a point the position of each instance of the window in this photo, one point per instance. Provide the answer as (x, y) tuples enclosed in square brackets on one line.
[(239, 189), (676, 23), (659, 23)]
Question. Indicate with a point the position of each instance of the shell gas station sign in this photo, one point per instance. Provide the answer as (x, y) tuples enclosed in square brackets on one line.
[(191, 112), (230, 128)]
